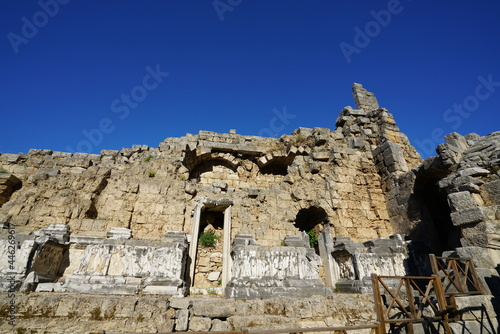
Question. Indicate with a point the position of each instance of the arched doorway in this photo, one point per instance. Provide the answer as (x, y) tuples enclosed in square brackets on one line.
[(312, 221)]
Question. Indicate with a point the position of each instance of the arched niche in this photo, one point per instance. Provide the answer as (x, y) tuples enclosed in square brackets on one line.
[(311, 219), (214, 169)]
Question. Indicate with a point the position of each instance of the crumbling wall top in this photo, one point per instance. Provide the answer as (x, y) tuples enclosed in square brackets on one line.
[(364, 99)]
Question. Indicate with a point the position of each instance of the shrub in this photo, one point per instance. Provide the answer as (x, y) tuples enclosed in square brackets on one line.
[(299, 139), (208, 239), (151, 174), (148, 159), (3, 170), (313, 238)]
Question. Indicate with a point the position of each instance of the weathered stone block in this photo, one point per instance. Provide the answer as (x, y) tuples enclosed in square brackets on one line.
[(468, 216), (220, 184), (180, 303), (475, 326), (119, 233), (460, 201), (182, 320), (474, 171), (266, 321), (214, 276), (475, 307), (200, 324), (219, 326), (479, 255), (205, 308), (492, 192)]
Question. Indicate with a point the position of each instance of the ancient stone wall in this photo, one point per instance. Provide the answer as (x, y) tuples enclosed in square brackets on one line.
[(56, 313), (130, 221), (152, 190)]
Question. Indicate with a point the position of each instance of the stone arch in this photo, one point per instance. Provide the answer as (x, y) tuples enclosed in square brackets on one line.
[(313, 218), (8, 185), (275, 163), (209, 166), (223, 163), (195, 160)]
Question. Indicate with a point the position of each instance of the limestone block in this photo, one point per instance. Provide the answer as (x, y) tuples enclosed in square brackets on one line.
[(469, 216), (475, 326), (59, 232), (132, 261), (203, 261), (219, 325), (180, 303), (480, 256), (110, 153), (182, 320), (119, 233), (276, 262), (475, 171), (475, 307), (45, 287), (462, 182), (492, 192), (214, 276), (311, 323), (22, 256), (381, 264), (203, 270), (484, 234), (460, 201), (215, 256), (320, 155), (220, 184), (200, 324), (205, 308)]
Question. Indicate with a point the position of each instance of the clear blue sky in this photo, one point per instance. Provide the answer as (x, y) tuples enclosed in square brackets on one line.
[(90, 75)]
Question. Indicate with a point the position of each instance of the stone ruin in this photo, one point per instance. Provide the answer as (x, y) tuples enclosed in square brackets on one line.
[(311, 213)]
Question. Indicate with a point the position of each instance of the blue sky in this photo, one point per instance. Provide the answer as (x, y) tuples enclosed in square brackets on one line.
[(90, 75)]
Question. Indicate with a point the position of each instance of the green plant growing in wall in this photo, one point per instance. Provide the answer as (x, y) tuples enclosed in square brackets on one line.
[(151, 174), (299, 139), (313, 238), (208, 239), (3, 170), (149, 158), (182, 177)]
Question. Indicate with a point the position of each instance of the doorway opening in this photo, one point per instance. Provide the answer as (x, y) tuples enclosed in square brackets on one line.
[(209, 252), (436, 213), (312, 221)]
